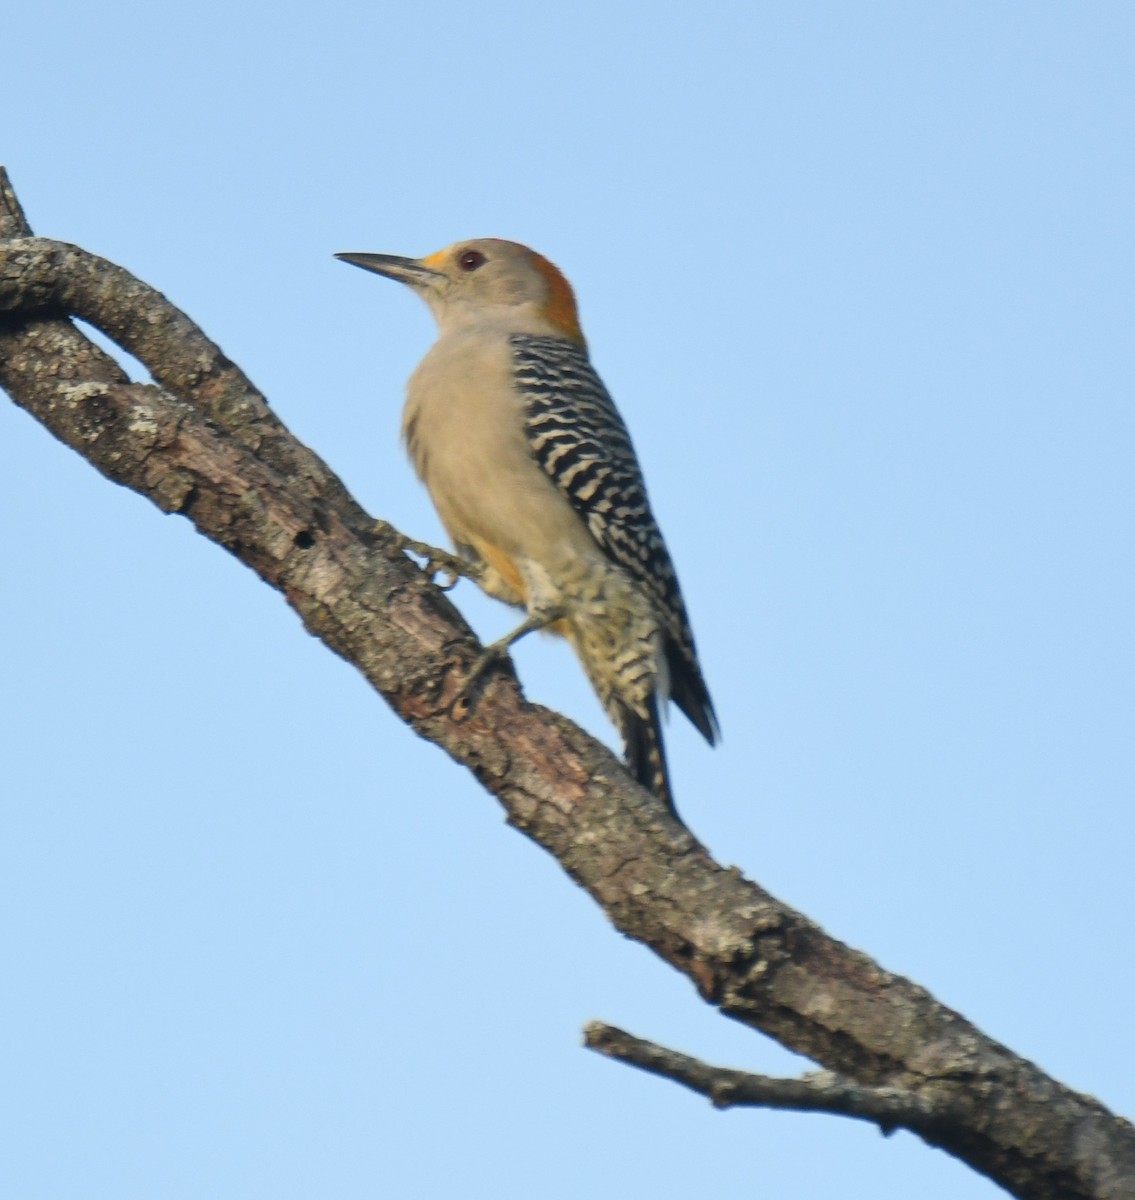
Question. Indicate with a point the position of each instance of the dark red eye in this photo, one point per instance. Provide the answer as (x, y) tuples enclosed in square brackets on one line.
[(470, 260)]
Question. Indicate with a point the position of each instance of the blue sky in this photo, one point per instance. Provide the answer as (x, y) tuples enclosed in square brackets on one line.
[(861, 280)]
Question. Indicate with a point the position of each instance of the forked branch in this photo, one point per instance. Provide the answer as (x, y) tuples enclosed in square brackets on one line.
[(890, 1108)]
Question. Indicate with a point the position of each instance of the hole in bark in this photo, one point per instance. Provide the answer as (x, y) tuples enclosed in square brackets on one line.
[(303, 540), (187, 502)]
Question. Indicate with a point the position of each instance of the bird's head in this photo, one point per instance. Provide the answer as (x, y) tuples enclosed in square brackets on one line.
[(485, 279)]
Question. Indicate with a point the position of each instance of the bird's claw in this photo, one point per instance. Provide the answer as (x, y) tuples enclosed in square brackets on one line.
[(488, 657), (495, 651), (437, 562), (433, 569)]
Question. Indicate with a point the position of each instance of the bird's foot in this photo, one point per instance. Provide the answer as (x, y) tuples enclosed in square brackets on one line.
[(499, 649), (437, 562), (491, 655)]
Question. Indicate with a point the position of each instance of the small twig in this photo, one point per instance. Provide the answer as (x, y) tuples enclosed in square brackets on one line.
[(890, 1108)]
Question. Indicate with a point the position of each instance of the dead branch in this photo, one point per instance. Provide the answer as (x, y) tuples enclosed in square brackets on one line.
[(202, 442)]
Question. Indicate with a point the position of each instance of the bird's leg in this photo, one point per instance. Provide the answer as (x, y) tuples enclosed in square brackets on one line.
[(540, 619), (436, 561)]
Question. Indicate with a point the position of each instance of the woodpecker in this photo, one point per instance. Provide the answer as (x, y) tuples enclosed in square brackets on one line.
[(534, 477)]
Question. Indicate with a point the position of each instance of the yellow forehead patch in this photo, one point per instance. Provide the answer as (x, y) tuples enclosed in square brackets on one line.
[(560, 309)]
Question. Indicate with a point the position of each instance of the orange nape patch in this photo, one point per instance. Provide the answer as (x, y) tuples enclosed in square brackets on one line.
[(561, 310)]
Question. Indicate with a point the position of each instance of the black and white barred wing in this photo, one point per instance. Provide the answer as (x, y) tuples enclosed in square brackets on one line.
[(578, 437)]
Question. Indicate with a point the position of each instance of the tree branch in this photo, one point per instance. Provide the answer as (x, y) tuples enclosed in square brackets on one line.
[(202, 442), (890, 1108)]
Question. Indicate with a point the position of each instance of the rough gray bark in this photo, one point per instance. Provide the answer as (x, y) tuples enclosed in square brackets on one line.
[(201, 441)]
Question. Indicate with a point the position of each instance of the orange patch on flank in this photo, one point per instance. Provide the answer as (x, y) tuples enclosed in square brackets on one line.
[(561, 310), (503, 565)]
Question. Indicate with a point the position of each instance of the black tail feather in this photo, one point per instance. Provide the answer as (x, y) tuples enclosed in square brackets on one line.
[(645, 753), (689, 693)]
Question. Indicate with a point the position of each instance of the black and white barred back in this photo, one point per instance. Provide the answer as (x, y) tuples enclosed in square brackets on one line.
[(580, 440)]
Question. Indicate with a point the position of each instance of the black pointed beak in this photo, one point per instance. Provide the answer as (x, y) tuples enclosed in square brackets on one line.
[(406, 270)]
